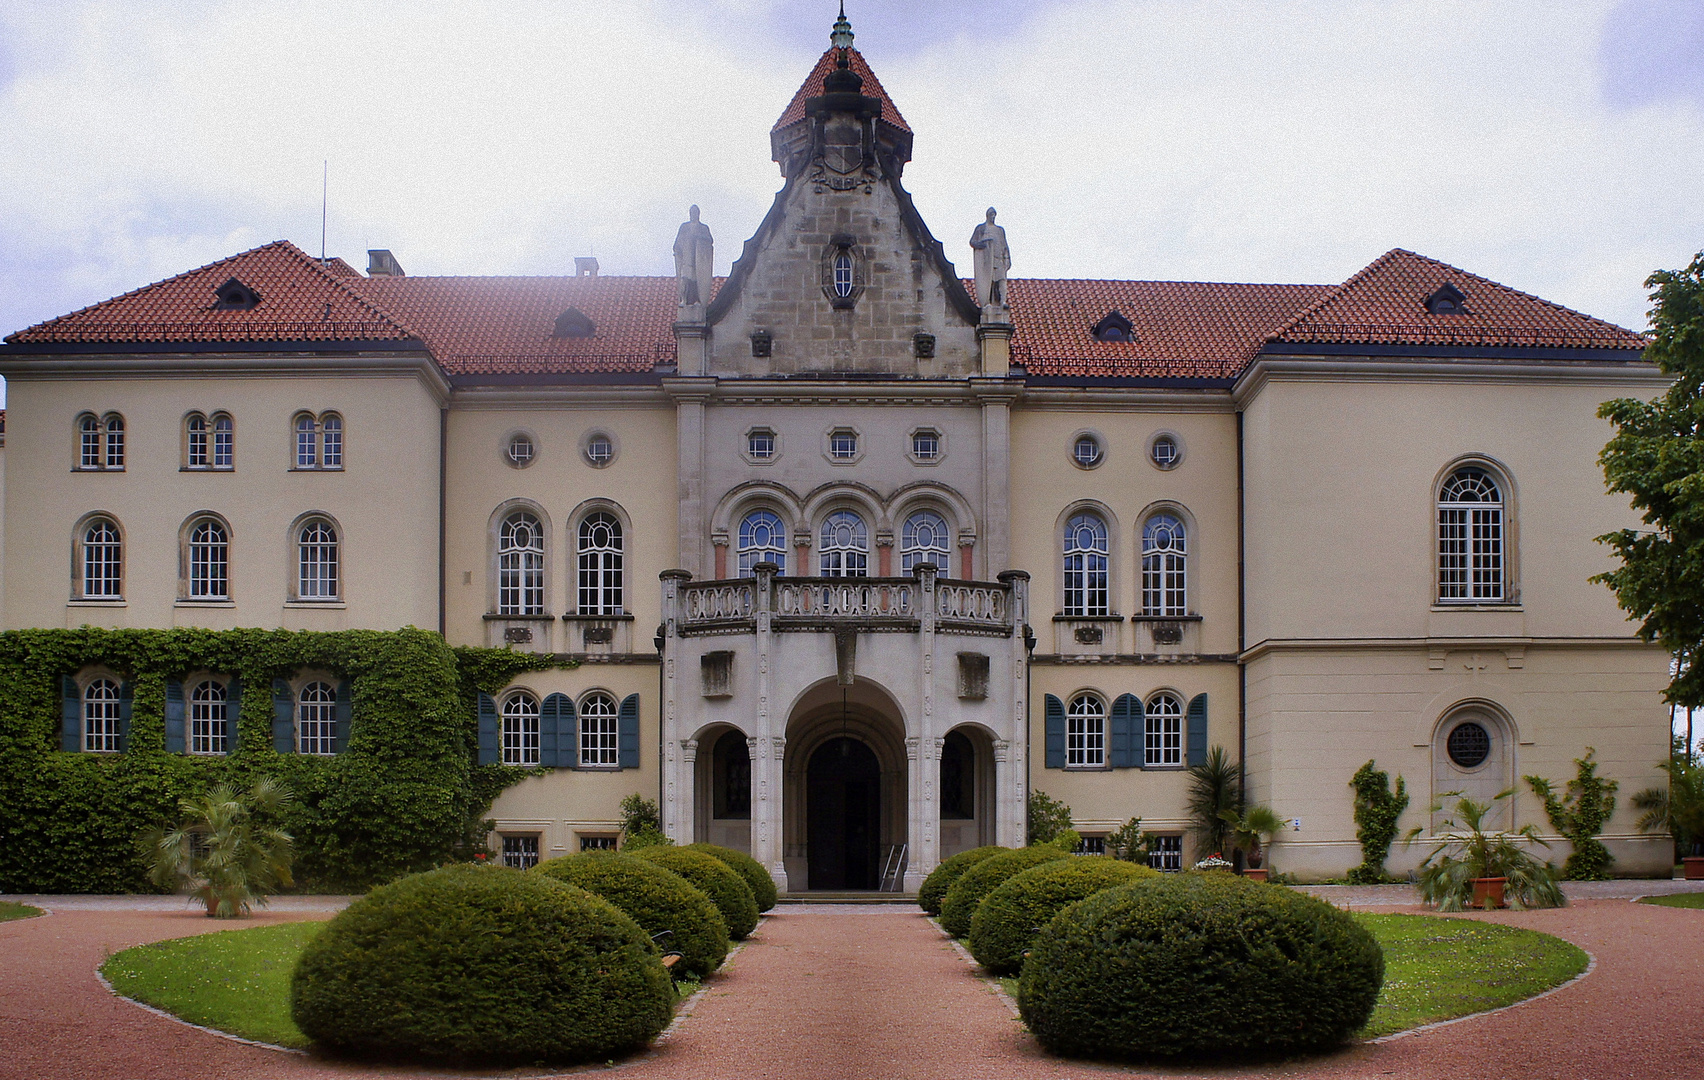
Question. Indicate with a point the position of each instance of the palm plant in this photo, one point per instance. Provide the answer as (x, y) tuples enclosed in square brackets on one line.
[(1678, 809), (1252, 829), (220, 853), (1215, 786), (1465, 851)]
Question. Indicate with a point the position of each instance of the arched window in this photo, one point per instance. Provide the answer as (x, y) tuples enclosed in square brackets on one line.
[(1164, 559), (209, 720), (114, 425), (100, 441), (599, 732), (307, 442), (762, 539), (520, 729), (1085, 732), (195, 441), (1163, 739), (319, 441), (1086, 566), (1470, 538), (224, 442), (924, 539), (103, 561), (89, 435), (520, 566), (845, 545), (209, 561), (843, 274), (600, 565), (317, 561), (316, 719), (331, 439), (101, 717)]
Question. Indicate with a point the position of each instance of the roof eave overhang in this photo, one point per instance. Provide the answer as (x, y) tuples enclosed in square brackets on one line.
[(1613, 368)]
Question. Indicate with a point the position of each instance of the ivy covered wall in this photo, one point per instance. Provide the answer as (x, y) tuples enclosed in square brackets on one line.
[(403, 794)]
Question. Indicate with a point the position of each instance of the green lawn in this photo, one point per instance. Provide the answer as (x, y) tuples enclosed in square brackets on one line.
[(1437, 969), (1685, 899), (10, 910)]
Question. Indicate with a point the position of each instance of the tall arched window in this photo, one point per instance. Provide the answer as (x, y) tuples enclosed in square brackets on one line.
[(520, 729), (316, 719), (845, 546), (762, 539), (1164, 559), (924, 539), (114, 426), (319, 441), (103, 561), (1086, 566), (317, 576), (209, 720), (209, 561), (101, 717), (1085, 732), (600, 565), (224, 442), (307, 442), (100, 441), (520, 566), (1163, 739), (1470, 538), (599, 732), (331, 441), (195, 441)]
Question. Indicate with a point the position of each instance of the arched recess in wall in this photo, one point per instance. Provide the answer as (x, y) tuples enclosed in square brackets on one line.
[(1114, 540), (1474, 753), (733, 507), (591, 554), (954, 509)]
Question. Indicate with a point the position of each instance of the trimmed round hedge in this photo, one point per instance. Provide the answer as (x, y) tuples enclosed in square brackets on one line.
[(726, 889), (1199, 965), (983, 878), (655, 898), (762, 885), (941, 878), (481, 965), (1009, 918)]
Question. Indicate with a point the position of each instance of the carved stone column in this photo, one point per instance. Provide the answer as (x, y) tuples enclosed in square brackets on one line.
[(687, 814), (766, 742), (677, 793), (923, 770)]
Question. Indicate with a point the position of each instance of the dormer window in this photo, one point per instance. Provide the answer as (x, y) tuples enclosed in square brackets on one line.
[(1447, 300), (1113, 327), (573, 323), (235, 296)]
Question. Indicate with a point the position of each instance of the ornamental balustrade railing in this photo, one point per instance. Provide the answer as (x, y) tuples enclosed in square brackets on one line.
[(870, 604)]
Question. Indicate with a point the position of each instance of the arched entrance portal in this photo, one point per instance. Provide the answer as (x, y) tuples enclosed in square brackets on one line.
[(844, 787)]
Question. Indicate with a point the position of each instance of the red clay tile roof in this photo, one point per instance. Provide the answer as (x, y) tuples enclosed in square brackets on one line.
[(812, 87), (1385, 303), (299, 301)]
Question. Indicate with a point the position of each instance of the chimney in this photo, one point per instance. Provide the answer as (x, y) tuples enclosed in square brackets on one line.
[(585, 266), (381, 263)]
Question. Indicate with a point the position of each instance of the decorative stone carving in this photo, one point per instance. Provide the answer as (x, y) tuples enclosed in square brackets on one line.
[(694, 255), (993, 259)]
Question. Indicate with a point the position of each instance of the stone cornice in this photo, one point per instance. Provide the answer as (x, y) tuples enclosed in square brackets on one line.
[(288, 362), (1635, 374), (1436, 644)]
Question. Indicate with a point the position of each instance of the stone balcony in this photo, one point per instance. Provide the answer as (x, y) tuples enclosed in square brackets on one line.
[(866, 604)]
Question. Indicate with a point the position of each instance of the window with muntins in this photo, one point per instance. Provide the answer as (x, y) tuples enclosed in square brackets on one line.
[(845, 546), (1086, 451), (924, 539), (100, 441), (316, 719), (925, 445), (1470, 538), (307, 442), (319, 441), (760, 444), (224, 442), (103, 561), (209, 720), (600, 565), (209, 561), (1166, 853), (520, 852), (843, 444), (1163, 740), (1164, 565), (195, 442), (1085, 732), (101, 717), (317, 575), (520, 566), (520, 730), (1086, 547), (843, 274), (331, 441), (598, 732), (762, 539)]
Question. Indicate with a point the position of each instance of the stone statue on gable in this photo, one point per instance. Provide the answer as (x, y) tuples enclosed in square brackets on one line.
[(694, 256), (993, 259)]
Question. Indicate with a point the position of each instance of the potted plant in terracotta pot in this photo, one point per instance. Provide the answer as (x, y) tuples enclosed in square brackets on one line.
[(1490, 870), (1251, 831), (1679, 811)]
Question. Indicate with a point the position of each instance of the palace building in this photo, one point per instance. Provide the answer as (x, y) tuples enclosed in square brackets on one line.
[(855, 552)]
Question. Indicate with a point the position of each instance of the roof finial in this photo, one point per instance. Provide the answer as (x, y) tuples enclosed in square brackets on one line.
[(841, 38)]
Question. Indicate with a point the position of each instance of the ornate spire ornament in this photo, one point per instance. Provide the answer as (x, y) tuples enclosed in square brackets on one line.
[(841, 38)]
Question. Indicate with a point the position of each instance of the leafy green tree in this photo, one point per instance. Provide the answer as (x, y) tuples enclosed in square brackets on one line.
[(1215, 786), (1377, 811), (1677, 809), (222, 853), (641, 823), (1579, 812), (1129, 843), (1048, 818), (1657, 457)]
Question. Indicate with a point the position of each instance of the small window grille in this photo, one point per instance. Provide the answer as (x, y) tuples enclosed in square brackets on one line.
[(598, 731), (1086, 451), (926, 445), (208, 719), (520, 852), (1164, 736), (316, 719), (1165, 452), (1085, 732), (520, 730), (597, 843), (1167, 853), (209, 561), (521, 451), (1469, 744), (760, 444), (843, 444), (103, 561), (843, 275), (600, 450), (762, 539), (101, 717)]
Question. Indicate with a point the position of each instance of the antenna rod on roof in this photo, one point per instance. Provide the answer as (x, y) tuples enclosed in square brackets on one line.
[(325, 192)]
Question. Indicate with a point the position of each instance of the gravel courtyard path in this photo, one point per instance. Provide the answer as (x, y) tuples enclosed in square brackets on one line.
[(847, 992)]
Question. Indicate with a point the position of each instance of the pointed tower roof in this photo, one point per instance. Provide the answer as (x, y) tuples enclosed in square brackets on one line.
[(795, 111)]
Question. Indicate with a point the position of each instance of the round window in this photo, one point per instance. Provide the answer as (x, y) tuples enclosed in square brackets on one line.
[(1086, 451), (1469, 745), (1164, 451), (520, 451), (600, 450)]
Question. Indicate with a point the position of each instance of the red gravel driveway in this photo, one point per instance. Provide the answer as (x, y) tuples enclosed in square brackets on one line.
[(876, 993)]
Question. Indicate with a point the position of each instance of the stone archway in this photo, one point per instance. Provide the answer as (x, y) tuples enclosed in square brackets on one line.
[(722, 788), (844, 787), (966, 800)]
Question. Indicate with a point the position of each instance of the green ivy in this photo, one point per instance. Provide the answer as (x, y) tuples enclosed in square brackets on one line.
[(1377, 810), (405, 795), (1579, 814)]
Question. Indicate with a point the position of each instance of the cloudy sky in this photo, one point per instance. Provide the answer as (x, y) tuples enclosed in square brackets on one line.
[(1557, 146)]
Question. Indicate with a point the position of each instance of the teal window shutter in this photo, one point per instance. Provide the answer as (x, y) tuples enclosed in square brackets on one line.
[(488, 730), (283, 717), (1197, 730), (70, 715), (549, 728), (233, 713), (1125, 745), (627, 732), (345, 716), (126, 698), (1054, 731), (568, 735), (174, 717)]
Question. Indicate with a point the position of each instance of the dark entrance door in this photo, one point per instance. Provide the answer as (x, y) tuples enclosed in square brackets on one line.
[(843, 814)]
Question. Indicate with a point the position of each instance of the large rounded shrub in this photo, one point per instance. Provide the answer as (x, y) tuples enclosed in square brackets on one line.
[(726, 889), (983, 878), (481, 965), (1199, 965), (655, 898), (762, 885), (941, 878), (1009, 918)]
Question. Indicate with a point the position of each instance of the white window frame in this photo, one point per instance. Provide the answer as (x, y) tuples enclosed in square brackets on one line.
[(520, 564), (208, 560), (1085, 732), (845, 546), (843, 274), (601, 564), (316, 719), (913, 549), (751, 550), (318, 442), (1162, 735), (843, 445), (1166, 855), (319, 558), (1472, 537), (1092, 440), (224, 442), (209, 718), (100, 445), (752, 450), (520, 729), (101, 716), (1088, 572), (1165, 565), (600, 731), (100, 561), (196, 453), (526, 850)]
